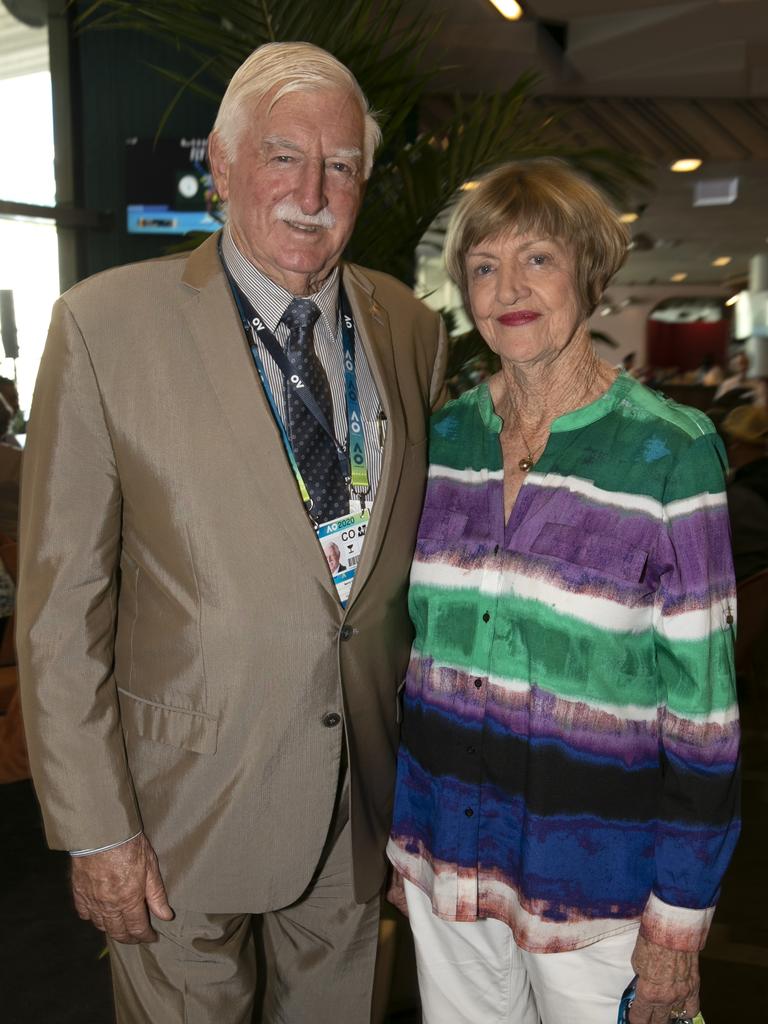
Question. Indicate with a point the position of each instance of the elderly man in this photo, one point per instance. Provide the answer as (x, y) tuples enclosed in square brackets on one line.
[(211, 717)]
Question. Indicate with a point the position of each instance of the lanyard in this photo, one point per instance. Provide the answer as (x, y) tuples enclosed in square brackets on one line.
[(355, 429), (354, 466)]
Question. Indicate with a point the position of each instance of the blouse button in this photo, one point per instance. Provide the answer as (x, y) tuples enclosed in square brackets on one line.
[(486, 617)]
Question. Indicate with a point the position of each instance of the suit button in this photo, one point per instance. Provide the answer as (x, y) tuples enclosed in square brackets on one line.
[(469, 812), (331, 719), (346, 632)]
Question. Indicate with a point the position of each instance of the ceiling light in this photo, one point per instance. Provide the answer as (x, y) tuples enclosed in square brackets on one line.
[(628, 218), (721, 261), (733, 300), (680, 276), (683, 166), (512, 11)]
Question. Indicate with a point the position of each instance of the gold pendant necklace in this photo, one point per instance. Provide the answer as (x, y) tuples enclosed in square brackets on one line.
[(527, 463)]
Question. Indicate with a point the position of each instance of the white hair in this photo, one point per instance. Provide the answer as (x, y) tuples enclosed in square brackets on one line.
[(288, 67)]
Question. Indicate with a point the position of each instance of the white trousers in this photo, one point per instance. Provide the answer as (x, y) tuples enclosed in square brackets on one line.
[(474, 973)]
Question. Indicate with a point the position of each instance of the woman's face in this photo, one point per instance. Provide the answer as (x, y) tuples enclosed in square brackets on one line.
[(522, 292)]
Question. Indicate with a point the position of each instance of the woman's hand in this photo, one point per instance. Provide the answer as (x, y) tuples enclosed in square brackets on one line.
[(667, 983)]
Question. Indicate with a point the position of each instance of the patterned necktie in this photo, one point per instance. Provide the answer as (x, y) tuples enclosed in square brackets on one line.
[(315, 452)]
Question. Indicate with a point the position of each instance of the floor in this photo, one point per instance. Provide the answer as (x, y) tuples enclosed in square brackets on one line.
[(52, 971)]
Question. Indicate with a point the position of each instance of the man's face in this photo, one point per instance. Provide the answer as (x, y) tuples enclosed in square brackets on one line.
[(333, 557), (295, 184)]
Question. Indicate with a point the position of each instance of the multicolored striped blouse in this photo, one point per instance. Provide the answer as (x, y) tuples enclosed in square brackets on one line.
[(570, 736)]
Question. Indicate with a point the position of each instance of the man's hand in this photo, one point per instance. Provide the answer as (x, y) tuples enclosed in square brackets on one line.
[(115, 889), (396, 892), (667, 982)]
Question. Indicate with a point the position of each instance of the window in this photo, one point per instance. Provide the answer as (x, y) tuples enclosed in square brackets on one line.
[(29, 262)]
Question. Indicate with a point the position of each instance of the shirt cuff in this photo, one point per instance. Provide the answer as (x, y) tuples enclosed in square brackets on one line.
[(102, 849), (675, 927)]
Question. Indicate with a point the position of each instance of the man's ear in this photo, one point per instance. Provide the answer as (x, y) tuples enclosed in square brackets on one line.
[(219, 164), (361, 194)]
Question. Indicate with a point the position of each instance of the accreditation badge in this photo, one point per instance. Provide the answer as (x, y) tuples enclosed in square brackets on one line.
[(342, 541)]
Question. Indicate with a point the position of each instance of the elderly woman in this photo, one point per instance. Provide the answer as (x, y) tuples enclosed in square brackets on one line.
[(566, 797)]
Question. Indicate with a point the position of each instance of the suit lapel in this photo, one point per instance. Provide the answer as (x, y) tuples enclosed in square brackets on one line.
[(217, 332), (373, 329)]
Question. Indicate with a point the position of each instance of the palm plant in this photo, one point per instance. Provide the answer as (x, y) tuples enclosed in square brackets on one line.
[(425, 158)]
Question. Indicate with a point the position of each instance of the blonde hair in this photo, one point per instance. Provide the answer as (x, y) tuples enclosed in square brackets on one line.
[(544, 197), (288, 67)]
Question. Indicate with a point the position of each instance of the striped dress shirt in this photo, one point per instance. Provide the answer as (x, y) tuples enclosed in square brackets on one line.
[(570, 732), (271, 301)]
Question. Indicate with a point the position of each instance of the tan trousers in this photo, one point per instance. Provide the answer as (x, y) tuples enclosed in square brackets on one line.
[(318, 957)]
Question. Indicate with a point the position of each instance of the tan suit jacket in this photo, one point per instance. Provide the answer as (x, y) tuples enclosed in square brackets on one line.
[(180, 639)]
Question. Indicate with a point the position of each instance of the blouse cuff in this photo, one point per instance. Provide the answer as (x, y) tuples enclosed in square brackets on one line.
[(675, 927)]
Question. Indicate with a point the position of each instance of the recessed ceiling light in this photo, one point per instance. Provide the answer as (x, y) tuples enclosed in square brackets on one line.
[(733, 300), (721, 261), (511, 10), (628, 218), (680, 276), (686, 164)]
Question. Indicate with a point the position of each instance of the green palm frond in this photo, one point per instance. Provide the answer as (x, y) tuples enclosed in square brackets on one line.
[(383, 42), (466, 349), (384, 48), (604, 338), (407, 192)]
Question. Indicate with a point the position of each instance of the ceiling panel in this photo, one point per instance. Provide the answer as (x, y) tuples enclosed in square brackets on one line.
[(661, 79)]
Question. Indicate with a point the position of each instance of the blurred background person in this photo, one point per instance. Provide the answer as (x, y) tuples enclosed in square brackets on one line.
[(709, 373), (10, 473), (737, 380), (746, 431), (629, 365)]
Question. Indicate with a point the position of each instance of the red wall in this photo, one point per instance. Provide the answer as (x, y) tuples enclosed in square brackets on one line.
[(686, 345)]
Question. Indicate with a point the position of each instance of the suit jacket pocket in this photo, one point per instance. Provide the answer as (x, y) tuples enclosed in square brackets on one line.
[(161, 723)]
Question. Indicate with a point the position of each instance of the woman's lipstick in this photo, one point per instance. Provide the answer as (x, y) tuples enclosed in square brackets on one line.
[(518, 318)]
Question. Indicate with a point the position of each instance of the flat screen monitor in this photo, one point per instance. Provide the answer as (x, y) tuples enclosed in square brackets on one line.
[(169, 188)]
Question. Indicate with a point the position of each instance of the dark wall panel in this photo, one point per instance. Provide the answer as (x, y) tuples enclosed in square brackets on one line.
[(118, 94)]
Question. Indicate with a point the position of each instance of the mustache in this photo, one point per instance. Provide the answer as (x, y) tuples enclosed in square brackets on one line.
[(288, 210)]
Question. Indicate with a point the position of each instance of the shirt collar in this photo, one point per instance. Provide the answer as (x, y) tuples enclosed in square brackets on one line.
[(621, 387), (270, 299)]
